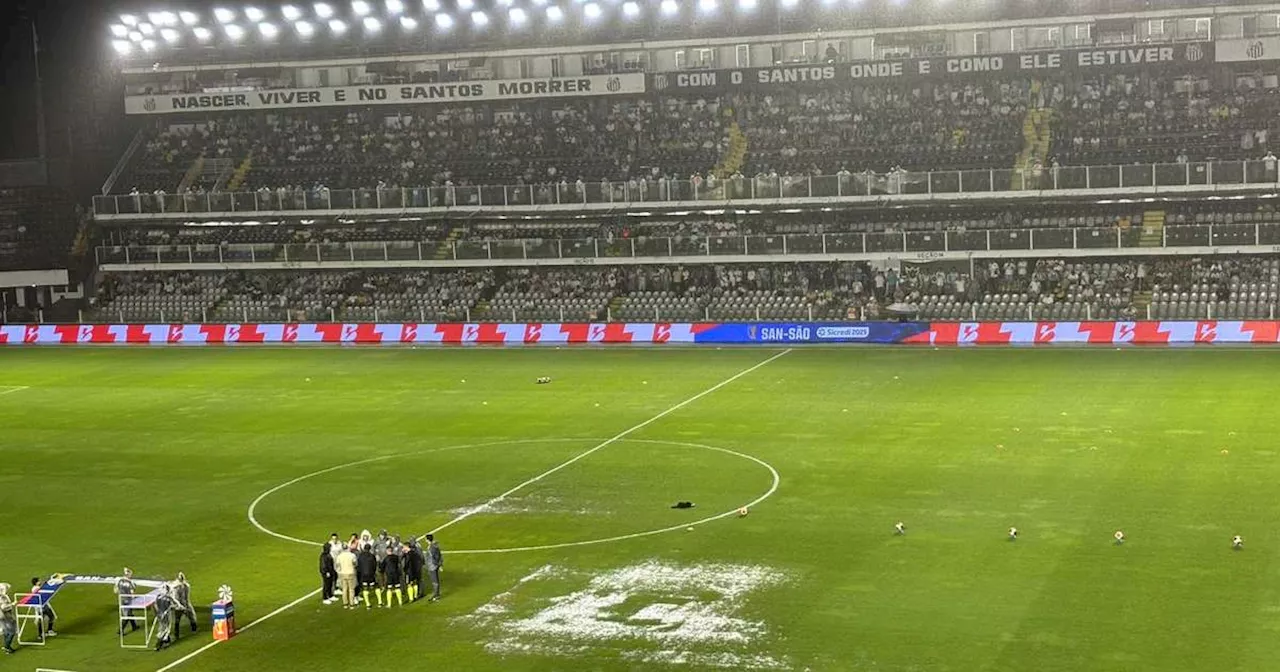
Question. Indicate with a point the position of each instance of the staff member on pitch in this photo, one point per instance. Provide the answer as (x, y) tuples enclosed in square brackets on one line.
[(182, 597), (126, 587), (328, 574), (346, 566), (435, 560), (367, 575), (164, 617), (8, 618), (392, 571), (413, 564)]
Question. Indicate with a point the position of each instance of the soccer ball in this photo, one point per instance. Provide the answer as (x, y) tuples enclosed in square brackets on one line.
[(742, 511)]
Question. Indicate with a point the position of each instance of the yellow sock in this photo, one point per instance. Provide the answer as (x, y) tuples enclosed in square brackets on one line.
[(379, 591), (399, 597), (413, 591), (365, 594)]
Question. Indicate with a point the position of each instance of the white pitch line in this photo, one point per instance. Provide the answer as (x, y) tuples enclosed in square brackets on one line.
[(10, 389), (491, 502), (606, 442)]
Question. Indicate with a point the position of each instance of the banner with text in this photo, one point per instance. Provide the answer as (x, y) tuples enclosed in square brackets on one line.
[(389, 94), (1254, 49), (837, 74), (554, 333)]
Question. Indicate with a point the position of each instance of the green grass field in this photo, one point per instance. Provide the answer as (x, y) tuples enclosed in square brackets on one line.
[(151, 459)]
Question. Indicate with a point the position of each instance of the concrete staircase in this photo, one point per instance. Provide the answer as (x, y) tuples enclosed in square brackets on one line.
[(735, 156), (206, 171), (238, 176), (1037, 135), (1152, 229)]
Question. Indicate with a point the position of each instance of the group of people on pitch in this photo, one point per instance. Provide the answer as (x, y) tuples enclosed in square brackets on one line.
[(384, 566), (171, 604)]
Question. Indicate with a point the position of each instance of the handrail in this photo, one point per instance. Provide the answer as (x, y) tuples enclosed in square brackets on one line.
[(778, 189)]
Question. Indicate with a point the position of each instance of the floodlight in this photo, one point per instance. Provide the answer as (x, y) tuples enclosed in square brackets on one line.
[(148, 45), (337, 27), (372, 25), (591, 10), (554, 13), (408, 23), (122, 47), (505, 3), (129, 20), (707, 6), (444, 21), (466, 5), (254, 14), (290, 13), (163, 18), (169, 35), (304, 29), (323, 11), (431, 5), (146, 29), (539, 2), (203, 34), (670, 8), (119, 30), (630, 9), (189, 18), (394, 6), (517, 16), (268, 30), (479, 19), (135, 36), (790, 4), (747, 5), (360, 7), (224, 15), (233, 31)]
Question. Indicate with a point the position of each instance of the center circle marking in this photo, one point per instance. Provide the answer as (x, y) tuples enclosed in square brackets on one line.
[(773, 487)]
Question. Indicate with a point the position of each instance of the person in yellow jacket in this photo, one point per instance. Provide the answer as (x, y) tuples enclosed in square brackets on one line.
[(345, 565)]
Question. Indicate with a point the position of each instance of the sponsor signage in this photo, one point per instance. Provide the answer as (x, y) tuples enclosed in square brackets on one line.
[(1150, 332), (835, 74), (389, 94), (1253, 49)]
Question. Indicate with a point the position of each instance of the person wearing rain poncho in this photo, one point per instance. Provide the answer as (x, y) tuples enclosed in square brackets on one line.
[(8, 618)]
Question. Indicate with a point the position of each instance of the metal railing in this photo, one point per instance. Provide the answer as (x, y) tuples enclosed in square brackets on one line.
[(921, 243), (640, 193)]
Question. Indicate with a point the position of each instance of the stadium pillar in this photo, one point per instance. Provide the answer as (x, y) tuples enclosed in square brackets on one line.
[(385, 255), (1256, 236), (1088, 311), (1075, 239), (988, 240), (633, 246), (190, 255), (824, 243), (670, 251), (524, 250)]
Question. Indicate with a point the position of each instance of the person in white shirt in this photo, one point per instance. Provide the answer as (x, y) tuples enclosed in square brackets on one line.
[(1013, 534), (899, 529), (1119, 537), (1237, 543)]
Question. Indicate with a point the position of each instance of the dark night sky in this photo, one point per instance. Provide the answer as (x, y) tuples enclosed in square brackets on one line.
[(17, 85)]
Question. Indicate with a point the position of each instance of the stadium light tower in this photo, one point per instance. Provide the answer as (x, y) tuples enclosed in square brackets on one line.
[(129, 20), (431, 5), (360, 8), (707, 6), (202, 34), (323, 10), (290, 13), (337, 27), (630, 9), (254, 15), (135, 36), (268, 30), (122, 47), (479, 19), (555, 14), (466, 5), (224, 15), (591, 11), (148, 45), (304, 29), (169, 35), (233, 31), (394, 7), (120, 30), (670, 8), (444, 21), (747, 5), (146, 29), (408, 23), (189, 18), (372, 25), (516, 16)]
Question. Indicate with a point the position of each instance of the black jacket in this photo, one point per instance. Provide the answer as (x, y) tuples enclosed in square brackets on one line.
[(326, 564), (366, 567), (391, 569), (413, 563)]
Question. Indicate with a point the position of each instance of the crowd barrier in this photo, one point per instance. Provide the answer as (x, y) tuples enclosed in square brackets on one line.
[(539, 333)]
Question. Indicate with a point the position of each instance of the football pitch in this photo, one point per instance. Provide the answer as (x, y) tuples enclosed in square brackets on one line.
[(553, 505)]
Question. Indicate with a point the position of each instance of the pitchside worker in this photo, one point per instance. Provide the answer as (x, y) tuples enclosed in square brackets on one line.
[(46, 610), (435, 560), (164, 617), (367, 575), (125, 586), (328, 574), (182, 597), (8, 618)]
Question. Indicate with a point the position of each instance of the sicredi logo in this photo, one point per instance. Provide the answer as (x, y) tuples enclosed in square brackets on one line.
[(844, 332)]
